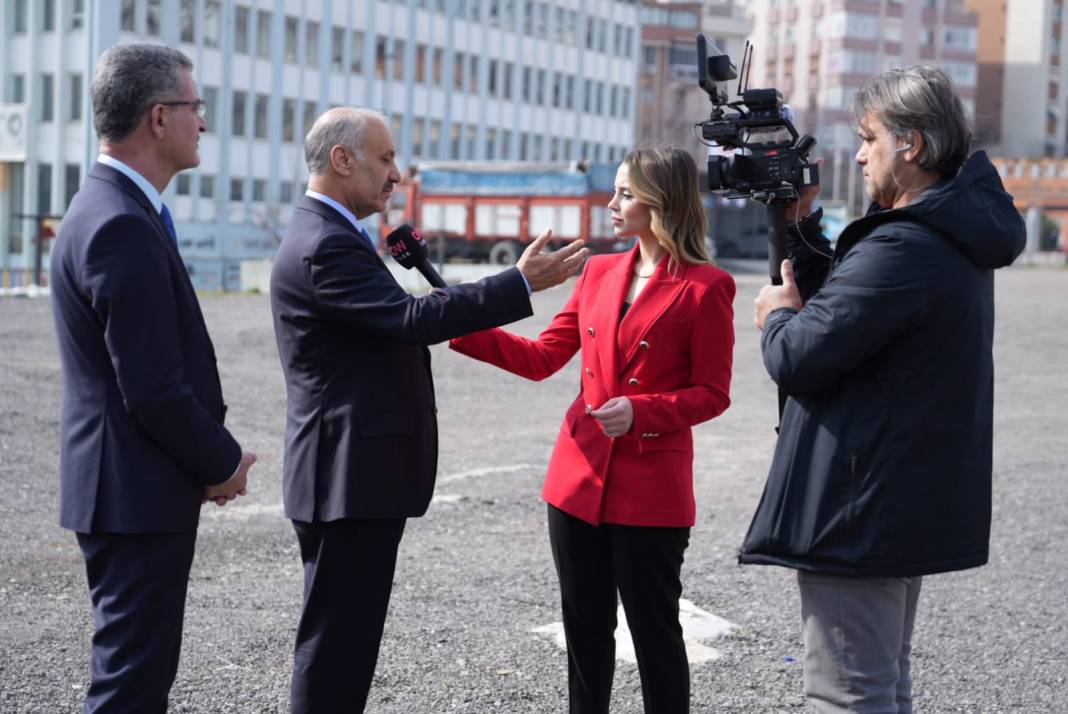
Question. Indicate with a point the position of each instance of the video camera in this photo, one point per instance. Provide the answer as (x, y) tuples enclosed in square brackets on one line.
[(770, 161)]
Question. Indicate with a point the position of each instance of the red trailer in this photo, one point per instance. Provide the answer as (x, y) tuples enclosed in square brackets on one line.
[(490, 210)]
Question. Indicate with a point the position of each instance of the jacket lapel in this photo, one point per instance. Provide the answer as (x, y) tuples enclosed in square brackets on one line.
[(656, 297), (609, 305)]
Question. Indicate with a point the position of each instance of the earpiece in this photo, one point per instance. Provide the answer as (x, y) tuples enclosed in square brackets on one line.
[(906, 147)]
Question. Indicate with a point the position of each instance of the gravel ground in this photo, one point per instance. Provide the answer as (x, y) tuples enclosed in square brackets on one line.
[(475, 575)]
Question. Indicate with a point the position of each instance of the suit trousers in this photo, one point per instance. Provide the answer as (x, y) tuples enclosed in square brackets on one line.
[(643, 564), (137, 584), (858, 642), (348, 578)]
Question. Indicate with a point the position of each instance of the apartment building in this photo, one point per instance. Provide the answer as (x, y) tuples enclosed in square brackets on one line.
[(536, 80), (670, 101), (818, 52)]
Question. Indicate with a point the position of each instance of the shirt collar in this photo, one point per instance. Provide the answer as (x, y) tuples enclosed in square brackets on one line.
[(142, 183), (349, 215)]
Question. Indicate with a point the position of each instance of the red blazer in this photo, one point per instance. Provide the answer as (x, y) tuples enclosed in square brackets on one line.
[(670, 355)]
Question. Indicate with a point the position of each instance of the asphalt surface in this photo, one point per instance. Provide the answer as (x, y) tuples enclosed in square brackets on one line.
[(475, 575)]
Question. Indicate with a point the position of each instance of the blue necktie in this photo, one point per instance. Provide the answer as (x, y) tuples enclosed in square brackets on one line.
[(168, 222)]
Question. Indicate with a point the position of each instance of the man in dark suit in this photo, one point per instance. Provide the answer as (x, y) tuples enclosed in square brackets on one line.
[(361, 431), (142, 436)]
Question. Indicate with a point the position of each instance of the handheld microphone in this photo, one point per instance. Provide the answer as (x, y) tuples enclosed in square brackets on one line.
[(409, 249)]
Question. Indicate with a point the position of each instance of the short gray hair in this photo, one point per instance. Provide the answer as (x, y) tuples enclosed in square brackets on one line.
[(922, 99), (128, 79), (340, 126)]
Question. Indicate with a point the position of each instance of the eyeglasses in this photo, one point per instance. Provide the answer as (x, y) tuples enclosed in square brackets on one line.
[(198, 105)]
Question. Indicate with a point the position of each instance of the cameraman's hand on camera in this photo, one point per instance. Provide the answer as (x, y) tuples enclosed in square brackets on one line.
[(774, 297), (803, 206)]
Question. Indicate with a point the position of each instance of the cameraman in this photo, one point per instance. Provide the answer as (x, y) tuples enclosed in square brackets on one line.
[(882, 470)]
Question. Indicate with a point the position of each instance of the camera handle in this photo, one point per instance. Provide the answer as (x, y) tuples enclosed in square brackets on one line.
[(776, 240)]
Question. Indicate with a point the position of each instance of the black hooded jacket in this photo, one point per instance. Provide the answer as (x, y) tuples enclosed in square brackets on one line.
[(883, 461)]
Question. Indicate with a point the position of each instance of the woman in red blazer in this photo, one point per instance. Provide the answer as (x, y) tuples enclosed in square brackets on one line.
[(655, 327)]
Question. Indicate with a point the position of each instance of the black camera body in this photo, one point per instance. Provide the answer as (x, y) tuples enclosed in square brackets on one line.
[(769, 162)]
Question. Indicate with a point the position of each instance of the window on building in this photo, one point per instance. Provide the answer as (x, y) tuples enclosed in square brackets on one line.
[(613, 106), (238, 114), (964, 74), (207, 186), (587, 96), (536, 149), (420, 63), (311, 44), (472, 139), (554, 149), (960, 38), (237, 189), (21, 18), (210, 95), (524, 146), (311, 113), (263, 34), (569, 91), (524, 82), (74, 96), (356, 63), (129, 17), (557, 90), (285, 192), (454, 141), (493, 13), (506, 80), (418, 127), (398, 60), (599, 104), (259, 121), (18, 88), (539, 88), (289, 119), (72, 178), (337, 48), (212, 23), (491, 78), (528, 18), (436, 62), (624, 105), (472, 75), (48, 15), (473, 10), (508, 15), (48, 105), (491, 143), (259, 190), (506, 144), (289, 47), (541, 24), (434, 148), (380, 57), (241, 29), (182, 185), (187, 21), (153, 16)]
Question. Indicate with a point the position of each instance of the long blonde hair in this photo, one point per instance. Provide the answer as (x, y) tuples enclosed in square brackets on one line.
[(665, 179)]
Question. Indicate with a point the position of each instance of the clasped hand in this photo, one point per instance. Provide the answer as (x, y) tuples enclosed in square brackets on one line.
[(616, 416), (227, 491)]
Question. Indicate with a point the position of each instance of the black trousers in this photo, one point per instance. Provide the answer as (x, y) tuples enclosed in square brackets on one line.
[(642, 564), (137, 584), (348, 578)]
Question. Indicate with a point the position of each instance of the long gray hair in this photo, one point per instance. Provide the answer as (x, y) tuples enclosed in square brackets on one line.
[(129, 78), (922, 99)]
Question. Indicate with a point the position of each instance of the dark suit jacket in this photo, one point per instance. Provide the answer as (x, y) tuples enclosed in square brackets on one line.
[(361, 429), (141, 430)]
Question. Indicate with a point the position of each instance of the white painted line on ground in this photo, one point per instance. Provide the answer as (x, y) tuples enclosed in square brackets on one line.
[(486, 471), (698, 626)]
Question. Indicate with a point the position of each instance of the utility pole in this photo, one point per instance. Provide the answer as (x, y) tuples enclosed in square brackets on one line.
[(45, 231)]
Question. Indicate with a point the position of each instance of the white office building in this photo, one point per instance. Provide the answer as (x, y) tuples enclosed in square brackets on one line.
[(546, 80)]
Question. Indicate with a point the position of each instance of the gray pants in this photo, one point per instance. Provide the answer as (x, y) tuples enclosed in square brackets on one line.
[(858, 634)]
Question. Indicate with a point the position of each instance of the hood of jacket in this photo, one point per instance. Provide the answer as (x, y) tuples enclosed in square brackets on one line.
[(972, 210)]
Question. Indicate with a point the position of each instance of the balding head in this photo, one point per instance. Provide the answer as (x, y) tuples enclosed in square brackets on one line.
[(340, 126)]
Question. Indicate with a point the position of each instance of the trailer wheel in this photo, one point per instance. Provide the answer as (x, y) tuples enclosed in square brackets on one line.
[(504, 252)]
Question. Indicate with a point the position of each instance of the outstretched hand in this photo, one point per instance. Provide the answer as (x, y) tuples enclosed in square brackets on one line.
[(773, 297), (544, 270)]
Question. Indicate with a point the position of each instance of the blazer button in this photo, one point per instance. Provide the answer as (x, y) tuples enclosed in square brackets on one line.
[(644, 345), (633, 381), (589, 408), (591, 331), (589, 372)]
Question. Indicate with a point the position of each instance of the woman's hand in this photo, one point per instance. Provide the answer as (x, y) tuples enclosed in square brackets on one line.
[(616, 416)]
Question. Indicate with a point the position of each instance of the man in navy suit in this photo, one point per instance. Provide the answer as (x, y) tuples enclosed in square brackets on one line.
[(142, 436), (361, 429)]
